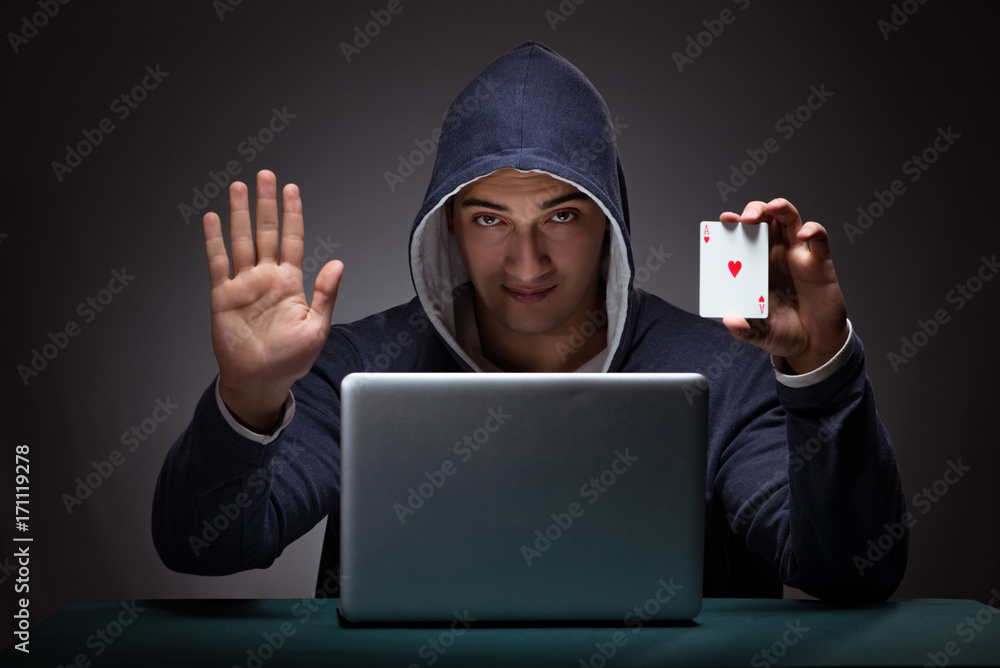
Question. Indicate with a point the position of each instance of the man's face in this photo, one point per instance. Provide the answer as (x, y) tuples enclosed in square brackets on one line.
[(532, 246)]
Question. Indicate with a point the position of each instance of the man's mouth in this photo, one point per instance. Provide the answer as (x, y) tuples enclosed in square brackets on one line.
[(528, 295)]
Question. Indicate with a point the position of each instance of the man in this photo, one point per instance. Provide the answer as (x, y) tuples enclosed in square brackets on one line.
[(523, 238)]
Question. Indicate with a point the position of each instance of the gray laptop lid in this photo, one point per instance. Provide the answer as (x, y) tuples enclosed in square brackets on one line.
[(522, 496)]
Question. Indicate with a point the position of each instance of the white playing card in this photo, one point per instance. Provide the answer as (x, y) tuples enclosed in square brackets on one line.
[(734, 270)]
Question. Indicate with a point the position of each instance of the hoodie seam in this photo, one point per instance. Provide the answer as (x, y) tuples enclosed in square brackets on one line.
[(524, 87)]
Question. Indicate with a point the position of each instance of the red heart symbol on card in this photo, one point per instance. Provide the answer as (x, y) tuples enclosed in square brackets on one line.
[(706, 239), (734, 267)]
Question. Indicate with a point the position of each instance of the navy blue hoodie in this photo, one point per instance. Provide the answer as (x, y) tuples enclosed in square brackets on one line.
[(801, 481)]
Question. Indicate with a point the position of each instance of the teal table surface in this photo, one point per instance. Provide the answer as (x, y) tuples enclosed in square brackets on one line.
[(309, 632)]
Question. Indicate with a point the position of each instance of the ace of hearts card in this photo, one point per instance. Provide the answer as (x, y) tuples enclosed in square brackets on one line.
[(733, 270)]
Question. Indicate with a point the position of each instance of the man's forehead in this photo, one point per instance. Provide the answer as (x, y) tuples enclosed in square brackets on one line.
[(514, 183)]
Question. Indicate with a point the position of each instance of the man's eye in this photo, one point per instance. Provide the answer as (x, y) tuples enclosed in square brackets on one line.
[(563, 216), (486, 220)]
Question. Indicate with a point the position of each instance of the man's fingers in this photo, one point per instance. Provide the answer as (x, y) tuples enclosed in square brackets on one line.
[(267, 216), (740, 328), (753, 213), (325, 294), (735, 324), (787, 216), (215, 249), (816, 239), (782, 210), (271, 234), (292, 226), (749, 331), (240, 233)]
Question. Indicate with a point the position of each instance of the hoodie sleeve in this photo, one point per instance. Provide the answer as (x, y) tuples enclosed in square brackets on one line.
[(225, 503), (812, 484)]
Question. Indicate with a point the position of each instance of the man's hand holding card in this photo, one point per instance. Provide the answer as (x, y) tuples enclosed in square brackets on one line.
[(771, 278)]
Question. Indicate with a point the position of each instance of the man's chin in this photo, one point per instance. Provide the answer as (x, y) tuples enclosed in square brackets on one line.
[(527, 326)]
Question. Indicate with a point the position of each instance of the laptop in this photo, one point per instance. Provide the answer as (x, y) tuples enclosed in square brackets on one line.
[(522, 497)]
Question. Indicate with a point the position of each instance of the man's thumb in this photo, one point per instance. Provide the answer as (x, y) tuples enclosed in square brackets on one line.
[(325, 293)]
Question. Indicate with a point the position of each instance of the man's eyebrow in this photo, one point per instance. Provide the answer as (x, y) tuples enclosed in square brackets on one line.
[(472, 201), (568, 197)]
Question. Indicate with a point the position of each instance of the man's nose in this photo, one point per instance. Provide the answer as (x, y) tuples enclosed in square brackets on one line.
[(527, 259)]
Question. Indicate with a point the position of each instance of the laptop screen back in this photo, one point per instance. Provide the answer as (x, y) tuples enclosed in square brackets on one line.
[(522, 496)]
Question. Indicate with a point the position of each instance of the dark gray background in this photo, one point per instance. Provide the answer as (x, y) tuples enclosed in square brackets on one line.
[(681, 132)]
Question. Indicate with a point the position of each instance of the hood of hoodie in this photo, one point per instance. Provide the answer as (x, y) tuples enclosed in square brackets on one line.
[(529, 110)]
